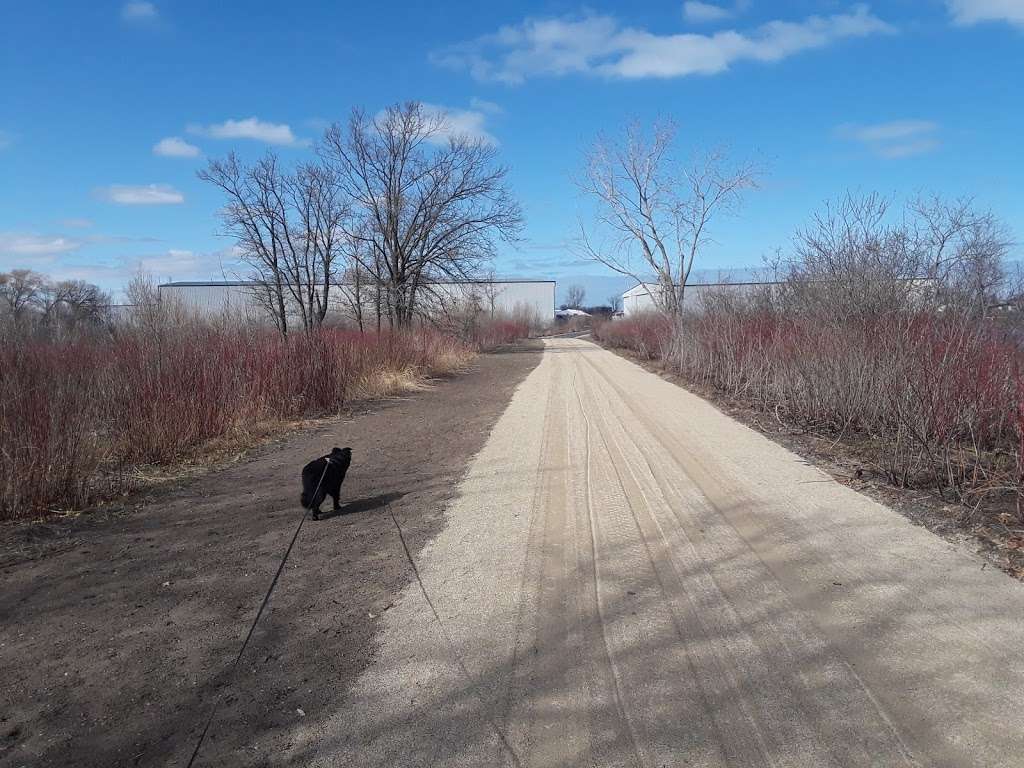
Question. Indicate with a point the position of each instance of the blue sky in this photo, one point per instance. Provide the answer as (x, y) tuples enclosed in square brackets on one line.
[(107, 109)]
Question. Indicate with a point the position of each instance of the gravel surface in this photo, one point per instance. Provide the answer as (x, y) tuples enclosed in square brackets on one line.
[(630, 577)]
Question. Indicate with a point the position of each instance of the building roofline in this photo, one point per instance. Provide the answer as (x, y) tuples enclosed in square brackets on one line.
[(247, 283), (710, 285), (768, 282)]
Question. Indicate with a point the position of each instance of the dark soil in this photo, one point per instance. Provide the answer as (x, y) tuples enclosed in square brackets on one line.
[(118, 632), (993, 532)]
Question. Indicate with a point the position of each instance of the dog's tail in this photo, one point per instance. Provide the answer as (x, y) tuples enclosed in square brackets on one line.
[(304, 499)]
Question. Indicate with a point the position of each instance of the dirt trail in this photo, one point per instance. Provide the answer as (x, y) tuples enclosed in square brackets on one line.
[(112, 651), (629, 577)]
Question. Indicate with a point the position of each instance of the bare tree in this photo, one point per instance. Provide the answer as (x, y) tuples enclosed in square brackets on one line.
[(21, 291), (851, 258), (30, 301), (575, 295), (77, 306), (962, 250), (859, 257), (288, 229), (151, 311), (427, 205), (490, 291), (615, 302), (653, 215)]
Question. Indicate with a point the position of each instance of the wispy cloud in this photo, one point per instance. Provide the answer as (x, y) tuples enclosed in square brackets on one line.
[(76, 223), (602, 46), (969, 12), (250, 128), (462, 122), (60, 262), (895, 139), (21, 244), (139, 12), (147, 194), (705, 13), (175, 147), (488, 107), (174, 262)]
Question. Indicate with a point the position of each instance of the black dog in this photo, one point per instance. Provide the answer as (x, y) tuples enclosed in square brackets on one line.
[(331, 468)]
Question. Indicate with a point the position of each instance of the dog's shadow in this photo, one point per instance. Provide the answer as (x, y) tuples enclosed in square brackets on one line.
[(362, 505)]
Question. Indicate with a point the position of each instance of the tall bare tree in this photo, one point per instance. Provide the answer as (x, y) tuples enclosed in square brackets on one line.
[(427, 205), (652, 215), (287, 226), (575, 295)]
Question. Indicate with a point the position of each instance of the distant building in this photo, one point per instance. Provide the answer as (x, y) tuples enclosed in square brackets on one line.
[(238, 297), (643, 297)]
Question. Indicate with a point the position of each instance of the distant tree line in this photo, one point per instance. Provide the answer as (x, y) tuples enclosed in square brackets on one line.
[(33, 304), (391, 205)]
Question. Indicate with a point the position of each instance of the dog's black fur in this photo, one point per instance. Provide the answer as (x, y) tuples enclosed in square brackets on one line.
[(336, 464)]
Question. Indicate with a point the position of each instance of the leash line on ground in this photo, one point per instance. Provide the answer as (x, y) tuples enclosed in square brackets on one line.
[(255, 621), (456, 657)]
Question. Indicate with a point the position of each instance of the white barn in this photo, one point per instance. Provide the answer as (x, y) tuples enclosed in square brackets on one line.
[(641, 297), (535, 297)]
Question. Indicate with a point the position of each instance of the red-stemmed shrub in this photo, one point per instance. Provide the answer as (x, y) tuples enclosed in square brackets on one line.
[(76, 416)]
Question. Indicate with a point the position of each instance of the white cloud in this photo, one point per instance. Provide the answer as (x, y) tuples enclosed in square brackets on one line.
[(968, 12), (461, 122), (704, 13), (139, 11), (175, 147), (172, 263), (16, 244), (482, 105), (250, 128), (895, 139), (176, 263), (113, 272), (602, 46), (148, 194), (908, 148)]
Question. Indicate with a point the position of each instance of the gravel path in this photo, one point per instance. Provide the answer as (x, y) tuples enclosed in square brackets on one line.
[(629, 577)]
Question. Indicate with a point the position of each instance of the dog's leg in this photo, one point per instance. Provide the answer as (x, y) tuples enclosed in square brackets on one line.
[(335, 496)]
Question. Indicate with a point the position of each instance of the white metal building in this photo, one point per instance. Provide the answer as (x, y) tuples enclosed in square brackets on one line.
[(641, 297), (536, 297)]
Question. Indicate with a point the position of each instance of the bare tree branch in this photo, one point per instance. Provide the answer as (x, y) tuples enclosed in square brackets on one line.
[(652, 217)]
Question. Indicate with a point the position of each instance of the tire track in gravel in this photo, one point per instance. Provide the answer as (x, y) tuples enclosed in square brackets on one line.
[(637, 580), (787, 715)]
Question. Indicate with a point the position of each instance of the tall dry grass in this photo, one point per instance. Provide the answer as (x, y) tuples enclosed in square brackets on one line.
[(936, 399), (76, 416)]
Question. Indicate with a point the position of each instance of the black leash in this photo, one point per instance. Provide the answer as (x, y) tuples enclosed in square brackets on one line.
[(450, 643), (255, 621)]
